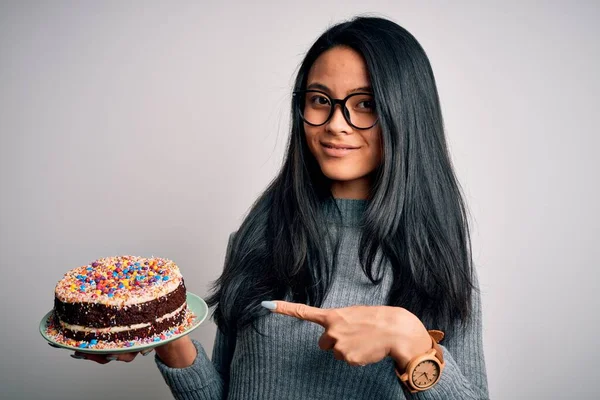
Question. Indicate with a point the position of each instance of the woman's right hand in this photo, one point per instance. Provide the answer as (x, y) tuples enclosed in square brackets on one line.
[(106, 358)]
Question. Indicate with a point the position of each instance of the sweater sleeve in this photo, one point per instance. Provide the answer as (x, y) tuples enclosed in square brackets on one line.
[(199, 381), (464, 376), (204, 379)]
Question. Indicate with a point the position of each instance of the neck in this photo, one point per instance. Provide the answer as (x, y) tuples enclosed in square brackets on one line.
[(357, 189)]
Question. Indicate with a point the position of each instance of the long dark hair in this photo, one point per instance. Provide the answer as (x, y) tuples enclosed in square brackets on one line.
[(415, 216)]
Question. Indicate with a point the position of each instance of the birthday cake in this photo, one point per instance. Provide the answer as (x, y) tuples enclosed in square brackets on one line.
[(120, 298)]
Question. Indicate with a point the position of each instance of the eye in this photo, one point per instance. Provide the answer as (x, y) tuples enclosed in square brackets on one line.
[(367, 105), (318, 100)]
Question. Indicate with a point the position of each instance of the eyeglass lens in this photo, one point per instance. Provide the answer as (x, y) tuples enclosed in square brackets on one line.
[(359, 109)]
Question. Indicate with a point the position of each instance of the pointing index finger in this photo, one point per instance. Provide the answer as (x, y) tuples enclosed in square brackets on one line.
[(301, 311)]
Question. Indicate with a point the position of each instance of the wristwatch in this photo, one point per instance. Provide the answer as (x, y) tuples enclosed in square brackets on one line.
[(425, 370)]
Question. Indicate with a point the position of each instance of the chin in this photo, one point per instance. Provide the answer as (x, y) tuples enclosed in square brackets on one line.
[(341, 174)]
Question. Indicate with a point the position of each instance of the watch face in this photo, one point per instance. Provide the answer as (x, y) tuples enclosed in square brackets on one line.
[(425, 374)]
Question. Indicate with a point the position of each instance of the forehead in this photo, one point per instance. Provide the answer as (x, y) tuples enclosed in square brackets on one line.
[(341, 69)]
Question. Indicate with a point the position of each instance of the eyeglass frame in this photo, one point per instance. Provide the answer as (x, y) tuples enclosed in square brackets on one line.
[(334, 102)]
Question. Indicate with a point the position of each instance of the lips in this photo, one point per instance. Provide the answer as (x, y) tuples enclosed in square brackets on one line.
[(337, 150), (338, 146)]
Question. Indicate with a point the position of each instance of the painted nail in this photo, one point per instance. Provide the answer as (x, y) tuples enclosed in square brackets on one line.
[(111, 358), (78, 357), (146, 352), (269, 305), (53, 345)]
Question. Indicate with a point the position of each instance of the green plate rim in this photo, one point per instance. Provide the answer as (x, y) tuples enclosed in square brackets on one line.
[(195, 303)]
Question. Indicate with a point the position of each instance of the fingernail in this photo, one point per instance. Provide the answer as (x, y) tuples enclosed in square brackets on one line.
[(78, 357), (111, 358), (53, 345), (269, 305), (146, 352)]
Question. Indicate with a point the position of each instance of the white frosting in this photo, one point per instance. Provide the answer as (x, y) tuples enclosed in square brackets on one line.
[(143, 297), (115, 329)]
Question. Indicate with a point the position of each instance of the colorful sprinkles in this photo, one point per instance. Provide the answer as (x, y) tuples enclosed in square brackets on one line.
[(114, 280)]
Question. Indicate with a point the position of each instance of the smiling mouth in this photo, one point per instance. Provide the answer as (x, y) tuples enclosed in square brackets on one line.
[(338, 147)]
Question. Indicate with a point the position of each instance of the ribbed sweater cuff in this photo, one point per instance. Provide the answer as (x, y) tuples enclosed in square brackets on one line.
[(200, 377)]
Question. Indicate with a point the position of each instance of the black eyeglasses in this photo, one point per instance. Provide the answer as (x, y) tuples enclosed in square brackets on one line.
[(316, 108)]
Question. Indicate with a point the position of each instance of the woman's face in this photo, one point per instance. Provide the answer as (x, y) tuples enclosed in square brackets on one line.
[(339, 72)]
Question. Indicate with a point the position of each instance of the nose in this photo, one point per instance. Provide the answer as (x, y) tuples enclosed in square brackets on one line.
[(338, 124)]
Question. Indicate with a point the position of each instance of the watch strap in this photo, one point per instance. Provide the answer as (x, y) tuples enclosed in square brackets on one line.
[(438, 350), (438, 336)]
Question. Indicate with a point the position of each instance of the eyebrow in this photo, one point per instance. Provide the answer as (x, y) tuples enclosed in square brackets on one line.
[(320, 86)]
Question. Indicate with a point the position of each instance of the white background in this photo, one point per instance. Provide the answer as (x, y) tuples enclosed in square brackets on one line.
[(149, 128)]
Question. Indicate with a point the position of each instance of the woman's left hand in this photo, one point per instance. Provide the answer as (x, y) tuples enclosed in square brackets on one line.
[(362, 335)]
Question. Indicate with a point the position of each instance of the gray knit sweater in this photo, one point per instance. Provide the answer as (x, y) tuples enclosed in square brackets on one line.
[(286, 362)]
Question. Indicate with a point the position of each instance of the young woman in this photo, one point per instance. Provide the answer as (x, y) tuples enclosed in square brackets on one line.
[(356, 249)]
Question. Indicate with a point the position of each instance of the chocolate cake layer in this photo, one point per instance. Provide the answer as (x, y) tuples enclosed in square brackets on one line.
[(96, 315), (132, 334)]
